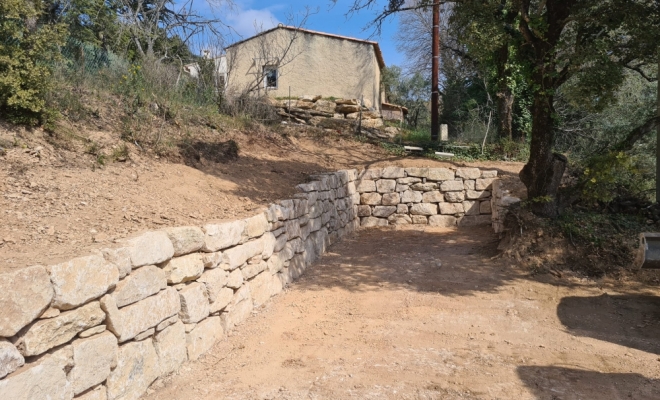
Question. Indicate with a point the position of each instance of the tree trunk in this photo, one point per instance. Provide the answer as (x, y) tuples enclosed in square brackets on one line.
[(505, 112), (504, 94), (543, 172)]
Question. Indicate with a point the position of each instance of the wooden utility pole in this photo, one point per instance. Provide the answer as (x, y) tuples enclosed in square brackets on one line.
[(657, 146), (435, 73)]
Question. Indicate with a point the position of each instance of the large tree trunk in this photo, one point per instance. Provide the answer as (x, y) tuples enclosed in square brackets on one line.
[(543, 172)]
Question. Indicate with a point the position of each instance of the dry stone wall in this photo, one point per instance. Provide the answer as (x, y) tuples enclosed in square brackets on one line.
[(430, 196), (107, 325)]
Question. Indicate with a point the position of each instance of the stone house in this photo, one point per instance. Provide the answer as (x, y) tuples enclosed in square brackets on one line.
[(288, 61)]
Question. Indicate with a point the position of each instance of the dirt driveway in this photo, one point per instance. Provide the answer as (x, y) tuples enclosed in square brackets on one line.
[(428, 314)]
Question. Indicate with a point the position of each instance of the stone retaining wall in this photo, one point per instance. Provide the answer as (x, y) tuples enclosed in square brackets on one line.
[(431, 196), (107, 325)]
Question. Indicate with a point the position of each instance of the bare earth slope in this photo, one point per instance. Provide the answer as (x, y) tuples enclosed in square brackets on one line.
[(57, 204)]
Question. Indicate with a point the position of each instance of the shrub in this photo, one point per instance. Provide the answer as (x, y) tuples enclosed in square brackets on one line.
[(27, 53)]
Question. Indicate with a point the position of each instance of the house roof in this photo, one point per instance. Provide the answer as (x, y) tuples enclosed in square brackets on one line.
[(379, 54)]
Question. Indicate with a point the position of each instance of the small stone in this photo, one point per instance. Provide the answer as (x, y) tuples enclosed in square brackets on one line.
[(424, 187), (214, 280), (92, 331), (10, 358), (235, 279), (222, 300), (146, 334), (194, 303), (50, 313), (469, 184)]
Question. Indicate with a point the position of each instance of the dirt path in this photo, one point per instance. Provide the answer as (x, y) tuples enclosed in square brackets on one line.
[(411, 314)]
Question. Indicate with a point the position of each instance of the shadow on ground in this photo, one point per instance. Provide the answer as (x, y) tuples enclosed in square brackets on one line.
[(451, 262), (554, 383), (628, 320)]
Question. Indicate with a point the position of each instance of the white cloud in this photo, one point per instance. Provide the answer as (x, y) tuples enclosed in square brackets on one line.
[(247, 23)]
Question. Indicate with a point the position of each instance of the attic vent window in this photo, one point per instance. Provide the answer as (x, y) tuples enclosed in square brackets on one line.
[(270, 77)]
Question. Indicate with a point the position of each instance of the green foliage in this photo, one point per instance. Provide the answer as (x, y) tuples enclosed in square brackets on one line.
[(27, 51), (412, 92), (613, 174), (600, 230)]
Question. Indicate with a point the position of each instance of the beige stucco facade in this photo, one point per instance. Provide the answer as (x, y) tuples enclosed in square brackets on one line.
[(309, 63)]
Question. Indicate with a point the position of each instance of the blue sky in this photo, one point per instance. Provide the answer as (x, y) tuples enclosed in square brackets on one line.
[(329, 18)]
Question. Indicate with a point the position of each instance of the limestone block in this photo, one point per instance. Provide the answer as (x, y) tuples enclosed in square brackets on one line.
[(269, 241), (98, 393), (440, 174), (292, 229), (137, 367), (300, 207), (452, 186), (365, 186), (237, 256), (371, 173), (170, 346), (469, 184), (346, 101), (274, 213), (393, 173), (372, 199), (483, 184), (222, 300), (150, 248), (369, 222), (219, 236), (455, 197), (425, 187), (477, 194), (212, 260), (10, 358), (51, 312), (214, 280), (280, 243), (451, 208), (236, 313), (185, 239), (401, 209), (410, 196), (142, 283), (44, 379), (308, 187), (169, 321), (256, 226), (417, 172), (194, 303), (468, 173), (183, 269), (391, 199), (287, 209), (419, 219), (399, 219), (296, 245), (252, 270), (432, 197), (364, 211), (408, 181), (93, 358), (443, 221), (276, 262), (45, 334), (385, 185), (121, 258), (488, 174), (80, 280), (129, 321), (203, 337), (325, 106), (484, 208), (235, 279), (92, 331), (471, 207), (24, 295), (424, 209), (315, 224), (384, 211), (260, 288), (351, 188), (475, 220)]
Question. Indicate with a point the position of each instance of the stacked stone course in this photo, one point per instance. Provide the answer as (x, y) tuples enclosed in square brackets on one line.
[(107, 325), (429, 196)]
